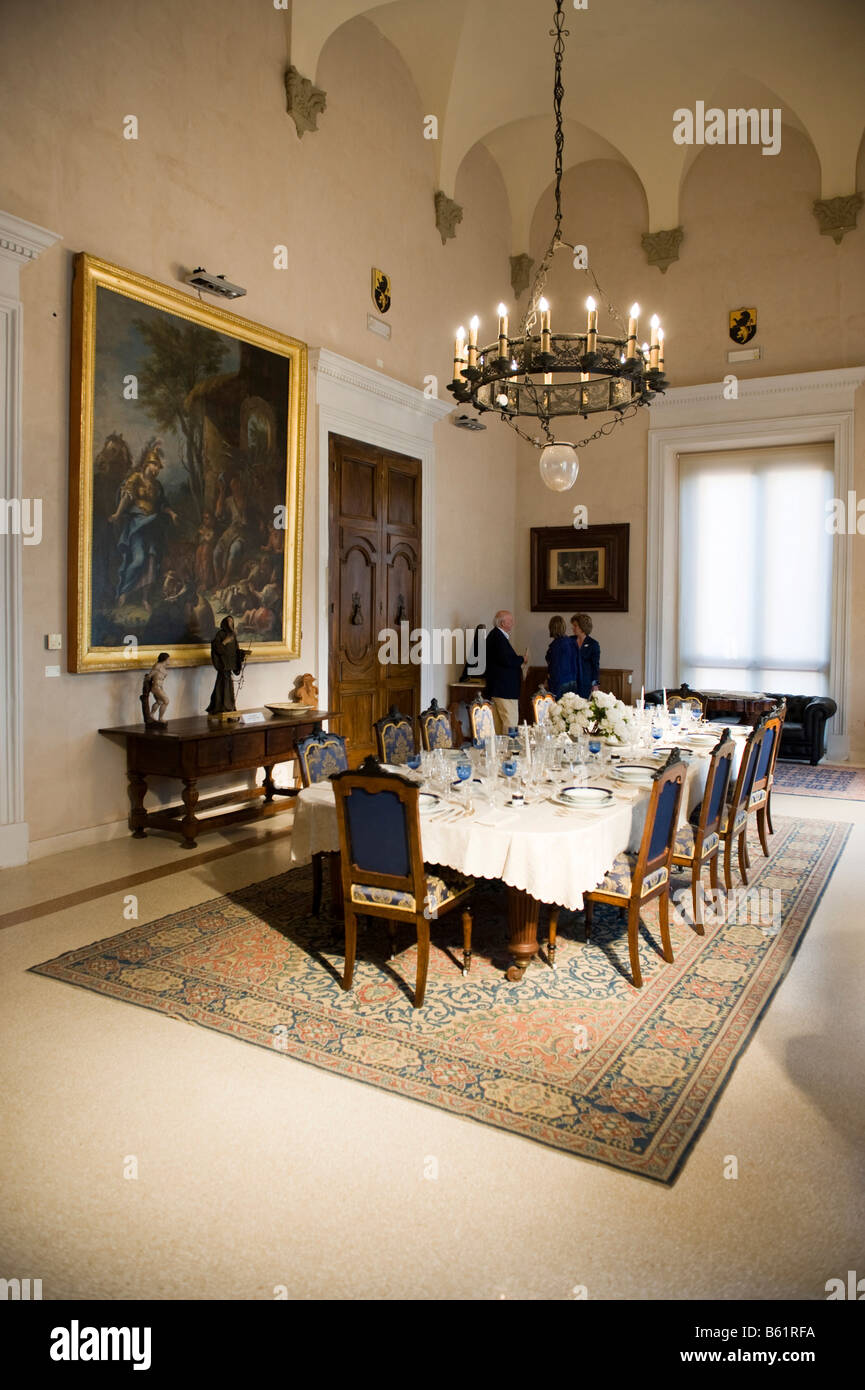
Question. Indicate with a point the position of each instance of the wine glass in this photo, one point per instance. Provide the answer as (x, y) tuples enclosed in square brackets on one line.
[(509, 767), (464, 772), (595, 747), (414, 762)]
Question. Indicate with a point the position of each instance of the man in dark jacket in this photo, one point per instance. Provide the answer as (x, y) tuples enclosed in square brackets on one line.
[(504, 673)]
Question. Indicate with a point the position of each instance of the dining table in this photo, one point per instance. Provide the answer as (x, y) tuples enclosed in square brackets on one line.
[(546, 853)]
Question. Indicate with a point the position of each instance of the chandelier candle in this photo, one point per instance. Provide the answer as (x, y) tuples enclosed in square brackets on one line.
[(459, 353), (503, 334), (654, 350), (592, 327), (545, 325), (473, 345), (632, 332)]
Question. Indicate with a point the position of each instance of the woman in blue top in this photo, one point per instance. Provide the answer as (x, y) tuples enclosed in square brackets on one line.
[(588, 655), (561, 659)]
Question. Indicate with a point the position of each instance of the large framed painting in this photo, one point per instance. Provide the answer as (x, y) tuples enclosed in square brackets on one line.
[(187, 440), (585, 570)]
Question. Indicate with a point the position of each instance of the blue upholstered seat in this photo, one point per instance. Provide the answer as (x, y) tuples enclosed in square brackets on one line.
[(440, 892), (684, 846), (619, 877)]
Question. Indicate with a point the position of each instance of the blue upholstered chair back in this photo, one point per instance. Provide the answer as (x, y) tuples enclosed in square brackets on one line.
[(394, 737), (693, 702), (662, 829), (435, 727), (717, 783), (481, 719), (320, 756), (378, 832)]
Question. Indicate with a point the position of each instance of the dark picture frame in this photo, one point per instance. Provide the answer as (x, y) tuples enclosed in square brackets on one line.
[(584, 570)]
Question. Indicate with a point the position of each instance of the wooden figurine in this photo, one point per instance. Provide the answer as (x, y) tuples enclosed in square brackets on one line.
[(153, 688), (305, 692), (228, 658)]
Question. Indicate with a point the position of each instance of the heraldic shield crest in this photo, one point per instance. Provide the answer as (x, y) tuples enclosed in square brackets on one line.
[(380, 290), (743, 325)]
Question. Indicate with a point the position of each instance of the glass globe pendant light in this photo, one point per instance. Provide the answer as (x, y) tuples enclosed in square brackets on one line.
[(559, 465)]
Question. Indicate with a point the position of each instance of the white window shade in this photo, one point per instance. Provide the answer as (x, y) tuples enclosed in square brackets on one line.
[(755, 569)]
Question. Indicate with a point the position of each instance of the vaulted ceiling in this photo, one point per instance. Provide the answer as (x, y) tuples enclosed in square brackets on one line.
[(484, 69)]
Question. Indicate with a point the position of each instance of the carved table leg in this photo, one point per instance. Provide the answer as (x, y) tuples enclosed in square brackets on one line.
[(137, 813), (269, 784), (523, 915), (189, 824)]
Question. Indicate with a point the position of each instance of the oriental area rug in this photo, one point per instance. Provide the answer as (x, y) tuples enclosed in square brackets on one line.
[(575, 1057), (800, 779)]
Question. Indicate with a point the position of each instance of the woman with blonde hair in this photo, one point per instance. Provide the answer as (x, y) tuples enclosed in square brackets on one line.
[(587, 653), (561, 659)]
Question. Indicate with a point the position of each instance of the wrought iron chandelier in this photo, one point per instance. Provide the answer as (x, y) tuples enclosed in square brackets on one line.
[(542, 375)]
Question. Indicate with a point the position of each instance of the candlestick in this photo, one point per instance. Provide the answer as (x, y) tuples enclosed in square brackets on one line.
[(503, 331), (665, 697), (654, 350), (632, 331), (459, 352), (473, 341), (592, 326), (546, 344)]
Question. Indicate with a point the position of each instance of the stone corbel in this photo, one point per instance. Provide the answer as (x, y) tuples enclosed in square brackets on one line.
[(521, 273), (304, 102), (448, 214), (836, 216), (662, 248)]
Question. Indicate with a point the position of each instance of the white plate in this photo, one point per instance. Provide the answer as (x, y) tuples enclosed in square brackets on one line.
[(702, 740), (585, 796), (636, 776), (427, 802)]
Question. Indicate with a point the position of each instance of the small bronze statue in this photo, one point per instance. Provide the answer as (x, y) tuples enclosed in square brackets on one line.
[(228, 659), (153, 688)]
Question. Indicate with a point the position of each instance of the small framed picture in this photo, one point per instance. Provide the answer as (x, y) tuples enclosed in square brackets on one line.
[(585, 569)]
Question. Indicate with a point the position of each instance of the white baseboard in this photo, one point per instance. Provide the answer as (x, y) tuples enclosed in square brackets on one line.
[(79, 839), (14, 843)]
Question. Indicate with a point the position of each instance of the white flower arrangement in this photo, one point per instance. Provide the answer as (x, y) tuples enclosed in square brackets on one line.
[(601, 714)]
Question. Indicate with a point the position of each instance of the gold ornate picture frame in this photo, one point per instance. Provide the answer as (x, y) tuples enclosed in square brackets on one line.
[(187, 448)]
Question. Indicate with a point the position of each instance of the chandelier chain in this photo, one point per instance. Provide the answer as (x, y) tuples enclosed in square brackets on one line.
[(605, 429)]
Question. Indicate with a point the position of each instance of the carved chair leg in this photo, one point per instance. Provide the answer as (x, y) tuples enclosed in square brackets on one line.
[(350, 946), (551, 939), (728, 868), (316, 884), (769, 813), (422, 960), (743, 855), (664, 913), (467, 941), (589, 905), (634, 941), (761, 826), (696, 894), (391, 931)]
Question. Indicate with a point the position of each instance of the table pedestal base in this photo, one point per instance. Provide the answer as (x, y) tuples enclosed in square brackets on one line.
[(523, 915)]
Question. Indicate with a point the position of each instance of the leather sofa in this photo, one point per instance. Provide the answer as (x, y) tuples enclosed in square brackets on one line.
[(803, 737)]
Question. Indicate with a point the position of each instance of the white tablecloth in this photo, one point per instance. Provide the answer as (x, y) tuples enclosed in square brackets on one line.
[(554, 856)]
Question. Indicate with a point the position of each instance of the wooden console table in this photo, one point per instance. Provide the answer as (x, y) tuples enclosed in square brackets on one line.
[(190, 749)]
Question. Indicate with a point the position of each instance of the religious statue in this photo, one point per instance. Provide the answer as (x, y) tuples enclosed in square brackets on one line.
[(228, 659), (152, 688)]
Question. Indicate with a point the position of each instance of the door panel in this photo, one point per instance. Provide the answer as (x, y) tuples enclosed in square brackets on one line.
[(375, 557)]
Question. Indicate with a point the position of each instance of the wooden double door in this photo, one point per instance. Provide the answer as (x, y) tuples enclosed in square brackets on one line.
[(374, 584)]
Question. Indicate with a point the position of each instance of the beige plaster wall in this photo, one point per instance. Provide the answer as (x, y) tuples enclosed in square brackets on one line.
[(218, 177)]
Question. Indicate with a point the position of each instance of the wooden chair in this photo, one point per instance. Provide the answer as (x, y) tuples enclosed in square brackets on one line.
[(481, 722), (635, 879), (764, 772), (542, 700), (780, 712), (383, 873), (319, 757), (699, 844), (394, 737), (693, 702), (734, 822), (436, 730)]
